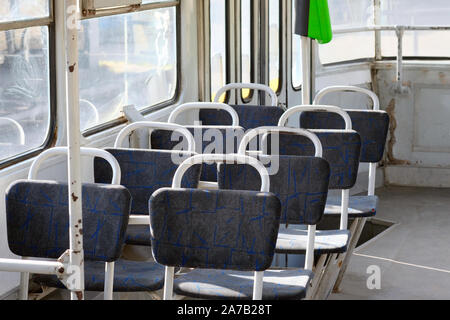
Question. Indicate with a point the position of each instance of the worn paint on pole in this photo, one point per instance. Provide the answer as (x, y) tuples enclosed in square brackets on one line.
[(74, 157)]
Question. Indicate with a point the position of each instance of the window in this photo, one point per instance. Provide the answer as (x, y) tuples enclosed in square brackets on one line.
[(352, 46), (274, 44), (218, 50), (297, 78), (25, 117), (246, 46), (416, 13), (127, 59)]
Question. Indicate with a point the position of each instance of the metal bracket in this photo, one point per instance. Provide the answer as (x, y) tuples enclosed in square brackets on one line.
[(400, 88), (69, 275)]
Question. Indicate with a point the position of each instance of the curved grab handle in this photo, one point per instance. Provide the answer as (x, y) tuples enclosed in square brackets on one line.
[(371, 94), (285, 117), (252, 86), (19, 129), (219, 158), (204, 105), (264, 130), (58, 151), (125, 132)]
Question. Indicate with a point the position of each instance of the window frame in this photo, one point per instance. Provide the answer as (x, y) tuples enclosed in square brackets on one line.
[(51, 137), (156, 107), (280, 44)]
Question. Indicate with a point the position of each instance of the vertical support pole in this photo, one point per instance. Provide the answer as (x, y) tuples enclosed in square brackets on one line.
[(258, 285), (377, 22), (168, 283), (306, 70), (399, 31), (24, 282), (309, 261), (74, 158), (344, 209), (372, 179), (109, 281)]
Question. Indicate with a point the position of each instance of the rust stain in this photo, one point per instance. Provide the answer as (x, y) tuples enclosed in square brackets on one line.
[(79, 295), (74, 197), (72, 67), (442, 78), (81, 231), (61, 270), (392, 140)]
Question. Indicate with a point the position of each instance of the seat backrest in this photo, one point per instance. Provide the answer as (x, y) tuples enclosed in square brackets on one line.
[(219, 229), (371, 125), (38, 219), (301, 184), (250, 117), (226, 139), (341, 149), (144, 172)]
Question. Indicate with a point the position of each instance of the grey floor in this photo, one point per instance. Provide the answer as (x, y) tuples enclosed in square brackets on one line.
[(413, 256)]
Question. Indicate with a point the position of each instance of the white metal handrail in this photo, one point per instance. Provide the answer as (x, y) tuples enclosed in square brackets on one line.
[(328, 90), (125, 132), (265, 130), (204, 106), (252, 86), (316, 108)]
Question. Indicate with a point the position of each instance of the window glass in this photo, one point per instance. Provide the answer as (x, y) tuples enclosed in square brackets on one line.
[(352, 46), (15, 10), (246, 45), (128, 59), (218, 46), (274, 45), (24, 90), (415, 12)]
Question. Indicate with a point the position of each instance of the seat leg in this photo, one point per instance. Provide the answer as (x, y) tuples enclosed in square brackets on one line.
[(168, 283), (109, 281), (24, 284), (358, 226), (318, 272), (258, 285)]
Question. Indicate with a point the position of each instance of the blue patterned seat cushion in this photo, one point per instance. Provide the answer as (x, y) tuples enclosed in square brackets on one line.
[(144, 172), (340, 149), (358, 207), (129, 276), (238, 285), (294, 240), (250, 117), (373, 127), (227, 140), (301, 184), (38, 219), (218, 229), (138, 235)]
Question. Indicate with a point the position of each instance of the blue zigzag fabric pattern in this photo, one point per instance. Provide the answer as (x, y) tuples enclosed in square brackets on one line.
[(301, 184), (38, 219), (231, 230), (340, 149), (373, 127)]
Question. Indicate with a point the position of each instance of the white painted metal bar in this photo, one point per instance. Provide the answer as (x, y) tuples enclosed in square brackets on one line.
[(109, 281), (266, 130), (344, 209), (168, 283), (258, 285), (222, 158), (328, 90), (59, 151), (306, 70), (204, 106), (390, 28), (73, 142), (316, 108), (125, 132), (24, 284), (309, 262), (252, 86), (31, 266), (128, 9), (372, 178)]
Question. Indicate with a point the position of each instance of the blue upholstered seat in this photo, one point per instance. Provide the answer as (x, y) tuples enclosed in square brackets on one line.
[(238, 285), (358, 207), (144, 172), (38, 220), (250, 117), (129, 276)]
